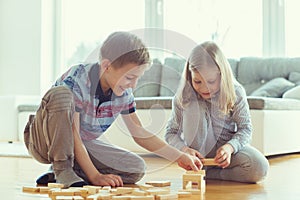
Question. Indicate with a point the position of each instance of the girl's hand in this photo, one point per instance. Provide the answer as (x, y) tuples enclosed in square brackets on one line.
[(223, 155), (192, 152), (107, 180), (189, 162)]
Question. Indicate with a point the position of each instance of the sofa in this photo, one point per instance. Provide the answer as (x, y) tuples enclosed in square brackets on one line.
[(269, 84)]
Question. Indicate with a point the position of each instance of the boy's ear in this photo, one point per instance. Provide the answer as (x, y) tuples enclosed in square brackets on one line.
[(105, 63)]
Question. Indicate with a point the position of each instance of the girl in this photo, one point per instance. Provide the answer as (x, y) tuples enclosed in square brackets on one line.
[(81, 106), (211, 118)]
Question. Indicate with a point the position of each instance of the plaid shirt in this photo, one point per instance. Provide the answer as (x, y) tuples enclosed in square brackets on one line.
[(97, 112)]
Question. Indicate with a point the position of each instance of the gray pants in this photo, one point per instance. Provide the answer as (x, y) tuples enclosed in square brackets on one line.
[(49, 139), (248, 165)]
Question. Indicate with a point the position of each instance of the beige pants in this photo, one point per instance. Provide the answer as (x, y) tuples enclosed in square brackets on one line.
[(48, 136), (49, 139)]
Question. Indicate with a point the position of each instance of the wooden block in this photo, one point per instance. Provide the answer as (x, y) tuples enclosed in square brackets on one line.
[(44, 190), (193, 181), (159, 183), (142, 197), (55, 185), (167, 197), (91, 189), (69, 198), (158, 191), (63, 192), (184, 194), (29, 189), (201, 172), (99, 196), (106, 188), (138, 192), (123, 190), (209, 162), (145, 186), (122, 197)]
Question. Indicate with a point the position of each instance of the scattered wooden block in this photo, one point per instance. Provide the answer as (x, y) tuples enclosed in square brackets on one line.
[(167, 197), (44, 190), (142, 198), (56, 185), (123, 190), (29, 189), (145, 186), (138, 192), (184, 194), (157, 191), (108, 188), (69, 198), (99, 196), (91, 189), (159, 183), (122, 197)]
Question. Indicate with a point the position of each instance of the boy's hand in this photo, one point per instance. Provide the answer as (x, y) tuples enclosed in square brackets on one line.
[(192, 152), (189, 162), (107, 180), (223, 155)]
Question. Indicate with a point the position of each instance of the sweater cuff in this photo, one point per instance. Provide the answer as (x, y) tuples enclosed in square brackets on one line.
[(235, 145)]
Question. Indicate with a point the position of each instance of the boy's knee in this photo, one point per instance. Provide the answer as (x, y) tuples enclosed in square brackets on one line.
[(137, 173), (59, 94), (58, 98)]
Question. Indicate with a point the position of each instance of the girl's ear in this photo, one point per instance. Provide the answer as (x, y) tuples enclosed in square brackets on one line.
[(105, 63)]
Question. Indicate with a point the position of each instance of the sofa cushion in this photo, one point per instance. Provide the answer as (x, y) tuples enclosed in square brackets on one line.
[(234, 65), (274, 88), (293, 93), (149, 83), (170, 76), (294, 77), (253, 72), (268, 103)]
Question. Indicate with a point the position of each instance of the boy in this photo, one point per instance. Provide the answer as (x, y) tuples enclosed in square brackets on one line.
[(80, 107)]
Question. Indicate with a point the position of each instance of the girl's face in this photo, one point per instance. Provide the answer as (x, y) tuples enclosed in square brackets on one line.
[(121, 78), (206, 82)]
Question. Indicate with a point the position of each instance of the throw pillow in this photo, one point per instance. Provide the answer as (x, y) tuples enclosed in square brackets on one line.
[(293, 93), (294, 77), (273, 88)]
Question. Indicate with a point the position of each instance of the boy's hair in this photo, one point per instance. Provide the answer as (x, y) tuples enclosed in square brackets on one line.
[(123, 48), (203, 55)]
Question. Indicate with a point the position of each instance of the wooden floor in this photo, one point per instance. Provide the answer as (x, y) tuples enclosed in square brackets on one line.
[(282, 181)]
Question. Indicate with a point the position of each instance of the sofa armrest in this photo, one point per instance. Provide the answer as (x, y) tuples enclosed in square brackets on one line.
[(268, 103), (160, 102)]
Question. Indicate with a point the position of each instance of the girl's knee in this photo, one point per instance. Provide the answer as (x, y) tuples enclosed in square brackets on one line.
[(256, 169), (259, 170)]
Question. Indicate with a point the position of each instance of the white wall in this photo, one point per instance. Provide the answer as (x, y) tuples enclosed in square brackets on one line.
[(20, 47)]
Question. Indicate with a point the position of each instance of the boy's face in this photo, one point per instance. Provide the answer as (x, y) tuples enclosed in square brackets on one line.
[(121, 78), (206, 82)]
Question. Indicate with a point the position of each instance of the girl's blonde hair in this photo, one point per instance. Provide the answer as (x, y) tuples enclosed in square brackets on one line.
[(203, 55)]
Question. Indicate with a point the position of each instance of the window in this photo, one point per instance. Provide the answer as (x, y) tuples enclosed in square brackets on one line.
[(292, 30), (235, 25), (84, 24)]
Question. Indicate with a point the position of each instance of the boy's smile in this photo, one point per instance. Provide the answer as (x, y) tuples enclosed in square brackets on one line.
[(121, 78)]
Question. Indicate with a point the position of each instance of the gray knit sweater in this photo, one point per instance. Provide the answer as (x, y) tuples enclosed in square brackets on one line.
[(201, 125)]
